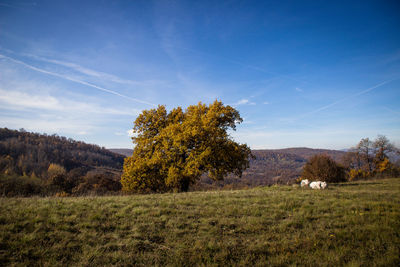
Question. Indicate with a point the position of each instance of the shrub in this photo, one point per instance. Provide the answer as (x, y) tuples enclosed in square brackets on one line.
[(62, 194), (385, 168), (55, 170), (323, 168), (98, 183), (355, 174), (13, 186)]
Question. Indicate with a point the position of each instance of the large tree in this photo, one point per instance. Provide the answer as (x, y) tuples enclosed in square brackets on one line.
[(173, 149)]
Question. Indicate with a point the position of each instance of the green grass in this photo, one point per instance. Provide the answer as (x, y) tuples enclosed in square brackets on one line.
[(354, 224)]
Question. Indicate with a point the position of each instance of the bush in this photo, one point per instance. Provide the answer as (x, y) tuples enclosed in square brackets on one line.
[(96, 182), (55, 170), (358, 174), (323, 168), (383, 169), (14, 186), (62, 194)]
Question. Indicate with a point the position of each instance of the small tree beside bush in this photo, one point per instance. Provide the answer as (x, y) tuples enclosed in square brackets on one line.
[(371, 159)]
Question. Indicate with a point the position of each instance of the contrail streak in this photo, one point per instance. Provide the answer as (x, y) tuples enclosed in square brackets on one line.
[(76, 80), (345, 98), (240, 64)]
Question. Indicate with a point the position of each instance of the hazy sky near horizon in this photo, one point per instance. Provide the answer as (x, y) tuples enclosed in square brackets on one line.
[(320, 74)]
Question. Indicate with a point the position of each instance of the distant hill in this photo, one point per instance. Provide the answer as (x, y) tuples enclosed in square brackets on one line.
[(122, 151), (270, 166), (307, 153)]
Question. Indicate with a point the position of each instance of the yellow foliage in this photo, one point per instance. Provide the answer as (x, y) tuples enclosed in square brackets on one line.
[(383, 165), (298, 180), (62, 194), (355, 174), (55, 170), (172, 150)]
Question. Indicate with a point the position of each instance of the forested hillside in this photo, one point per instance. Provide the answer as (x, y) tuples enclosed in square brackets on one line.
[(122, 151), (54, 163), (23, 152), (307, 153)]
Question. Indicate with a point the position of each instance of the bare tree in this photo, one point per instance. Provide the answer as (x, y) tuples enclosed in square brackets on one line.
[(352, 159), (365, 149), (382, 147)]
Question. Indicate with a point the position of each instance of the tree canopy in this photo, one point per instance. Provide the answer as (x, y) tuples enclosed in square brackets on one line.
[(173, 149)]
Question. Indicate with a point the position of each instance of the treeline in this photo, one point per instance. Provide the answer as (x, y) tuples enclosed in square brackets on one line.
[(40, 164), (366, 160), (371, 158), (28, 161)]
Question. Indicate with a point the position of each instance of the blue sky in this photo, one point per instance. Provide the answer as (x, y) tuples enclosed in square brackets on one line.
[(320, 74)]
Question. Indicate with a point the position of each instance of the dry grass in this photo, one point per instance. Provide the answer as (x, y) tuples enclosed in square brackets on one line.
[(354, 224)]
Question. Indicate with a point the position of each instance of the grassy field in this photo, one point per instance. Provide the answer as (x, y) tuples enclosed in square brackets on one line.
[(354, 224)]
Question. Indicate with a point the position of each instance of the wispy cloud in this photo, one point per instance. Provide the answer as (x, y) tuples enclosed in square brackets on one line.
[(392, 111), (236, 62), (243, 101), (16, 100), (65, 77), (130, 133), (36, 110), (298, 89), (90, 72), (391, 58), (330, 137), (53, 124), (343, 99)]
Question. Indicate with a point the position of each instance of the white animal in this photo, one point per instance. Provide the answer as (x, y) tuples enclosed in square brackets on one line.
[(324, 185), (304, 183), (318, 185), (315, 185)]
